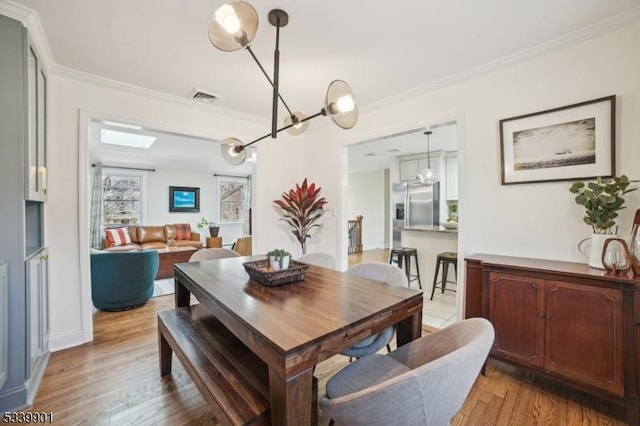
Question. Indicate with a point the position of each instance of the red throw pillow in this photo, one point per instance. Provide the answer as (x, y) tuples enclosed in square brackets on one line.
[(117, 237), (183, 231)]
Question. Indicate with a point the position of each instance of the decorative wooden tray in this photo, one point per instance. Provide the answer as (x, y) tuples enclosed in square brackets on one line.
[(260, 272)]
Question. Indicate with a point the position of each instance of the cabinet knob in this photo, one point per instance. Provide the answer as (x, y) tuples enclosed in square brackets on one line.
[(44, 257)]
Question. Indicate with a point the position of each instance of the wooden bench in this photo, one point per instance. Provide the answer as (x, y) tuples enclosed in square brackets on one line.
[(231, 378)]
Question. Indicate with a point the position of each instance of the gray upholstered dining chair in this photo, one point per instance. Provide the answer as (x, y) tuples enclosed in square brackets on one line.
[(389, 274), (324, 260), (212, 253), (424, 382)]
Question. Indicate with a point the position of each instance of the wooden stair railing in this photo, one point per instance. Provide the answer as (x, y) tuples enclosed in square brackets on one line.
[(355, 235)]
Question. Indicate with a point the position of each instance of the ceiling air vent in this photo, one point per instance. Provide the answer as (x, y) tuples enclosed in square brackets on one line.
[(204, 97)]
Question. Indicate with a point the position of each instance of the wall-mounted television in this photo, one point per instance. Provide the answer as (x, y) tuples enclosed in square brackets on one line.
[(184, 199)]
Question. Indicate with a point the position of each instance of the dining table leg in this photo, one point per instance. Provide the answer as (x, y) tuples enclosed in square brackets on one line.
[(291, 398), (182, 295), (409, 328)]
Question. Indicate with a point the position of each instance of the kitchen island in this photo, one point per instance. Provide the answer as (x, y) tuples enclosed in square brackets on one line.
[(429, 241)]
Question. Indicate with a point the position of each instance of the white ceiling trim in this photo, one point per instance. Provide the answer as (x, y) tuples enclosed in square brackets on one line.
[(129, 88), (591, 31), (30, 19)]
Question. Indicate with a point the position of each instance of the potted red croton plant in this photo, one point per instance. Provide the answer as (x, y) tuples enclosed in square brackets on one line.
[(301, 208)]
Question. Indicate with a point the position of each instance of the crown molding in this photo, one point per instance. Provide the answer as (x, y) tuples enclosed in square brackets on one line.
[(14, 10), (30, 19), (130, 88), (591, 31)]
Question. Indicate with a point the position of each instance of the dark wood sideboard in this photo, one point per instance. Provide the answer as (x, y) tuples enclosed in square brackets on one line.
[(566, 321)]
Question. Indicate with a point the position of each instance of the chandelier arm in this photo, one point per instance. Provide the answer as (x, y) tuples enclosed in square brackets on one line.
[(284, 128), (268, 78), (276, 79)]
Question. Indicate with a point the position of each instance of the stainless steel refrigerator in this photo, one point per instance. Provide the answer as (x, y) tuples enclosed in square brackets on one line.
[(414, 204)]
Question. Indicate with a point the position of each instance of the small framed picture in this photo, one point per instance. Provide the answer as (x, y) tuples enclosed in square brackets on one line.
[(184, 199), (567, 143)]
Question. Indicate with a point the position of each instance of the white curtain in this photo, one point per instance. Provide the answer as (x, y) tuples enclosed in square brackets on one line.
[(247, 207), (96, 207)]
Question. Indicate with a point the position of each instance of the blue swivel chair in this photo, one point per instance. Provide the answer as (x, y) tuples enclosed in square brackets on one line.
[(123, 280), (389, 274)]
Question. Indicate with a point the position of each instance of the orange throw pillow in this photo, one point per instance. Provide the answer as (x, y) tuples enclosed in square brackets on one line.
[(117, 237), (183, 231)]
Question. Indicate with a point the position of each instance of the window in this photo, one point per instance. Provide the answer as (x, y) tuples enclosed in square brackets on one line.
[(122, 200), (234, 200)]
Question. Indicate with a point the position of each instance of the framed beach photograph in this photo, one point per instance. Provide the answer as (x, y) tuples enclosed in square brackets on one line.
[(567, 143), (184, 199)]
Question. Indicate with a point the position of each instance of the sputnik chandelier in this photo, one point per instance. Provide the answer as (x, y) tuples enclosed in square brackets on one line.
[(233, 27)]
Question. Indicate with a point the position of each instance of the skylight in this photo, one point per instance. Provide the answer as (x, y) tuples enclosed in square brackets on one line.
[(132, 140), (127, 126)]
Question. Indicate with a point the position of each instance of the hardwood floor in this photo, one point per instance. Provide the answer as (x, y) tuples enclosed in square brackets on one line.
[(116, 380), (377, 255)]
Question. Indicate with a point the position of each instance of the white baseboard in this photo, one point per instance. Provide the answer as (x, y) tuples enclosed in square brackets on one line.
[(65, 340)]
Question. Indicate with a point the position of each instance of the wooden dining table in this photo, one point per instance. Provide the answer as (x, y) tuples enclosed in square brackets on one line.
[(295, 326)]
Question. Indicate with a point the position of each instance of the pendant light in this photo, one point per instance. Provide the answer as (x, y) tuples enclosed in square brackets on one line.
[(428, 175), (233, 27)]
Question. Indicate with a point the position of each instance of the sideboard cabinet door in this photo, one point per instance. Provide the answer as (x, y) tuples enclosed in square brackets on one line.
[(515, 307), (585, 334)]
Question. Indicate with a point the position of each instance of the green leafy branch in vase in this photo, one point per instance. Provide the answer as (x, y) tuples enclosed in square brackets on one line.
[(602, 200)]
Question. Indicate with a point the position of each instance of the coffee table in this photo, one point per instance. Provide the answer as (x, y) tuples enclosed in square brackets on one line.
[(170, 256)]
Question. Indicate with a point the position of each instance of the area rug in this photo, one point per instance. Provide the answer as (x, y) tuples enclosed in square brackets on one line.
[(163, 287)]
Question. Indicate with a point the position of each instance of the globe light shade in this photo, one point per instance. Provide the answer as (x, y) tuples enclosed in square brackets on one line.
[(341, 104), (233, 151), (296, 129), (427, 176), (233, 26)]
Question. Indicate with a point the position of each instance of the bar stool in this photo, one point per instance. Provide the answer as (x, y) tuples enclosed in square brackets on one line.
[(445, 259), (403, 255)]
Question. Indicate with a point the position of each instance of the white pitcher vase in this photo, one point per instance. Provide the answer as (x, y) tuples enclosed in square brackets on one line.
[(592, 247)]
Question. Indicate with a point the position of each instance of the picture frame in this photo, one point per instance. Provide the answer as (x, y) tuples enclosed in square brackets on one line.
[(566, 143), (184, 199), (233, 199)]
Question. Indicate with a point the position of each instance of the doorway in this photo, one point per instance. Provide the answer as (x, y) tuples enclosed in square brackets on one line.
[(374, 166), (180, 158)]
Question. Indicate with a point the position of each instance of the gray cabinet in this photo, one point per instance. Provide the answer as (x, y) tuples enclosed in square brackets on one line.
[(23, 192), (4, 322), (411, 165), (409, 169), (36, 171), (38, 288)]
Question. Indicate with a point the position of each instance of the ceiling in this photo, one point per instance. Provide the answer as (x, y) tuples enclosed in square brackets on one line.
[(378, 154), (168, 152), (381, 48)]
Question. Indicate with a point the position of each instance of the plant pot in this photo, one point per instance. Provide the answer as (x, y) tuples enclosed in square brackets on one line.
[(213, 231), (274, 262), (592, 247)]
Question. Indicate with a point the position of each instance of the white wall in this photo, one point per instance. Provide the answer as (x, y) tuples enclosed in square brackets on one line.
[(157, 203), (66, 182), (534, 220), (367, 198)]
